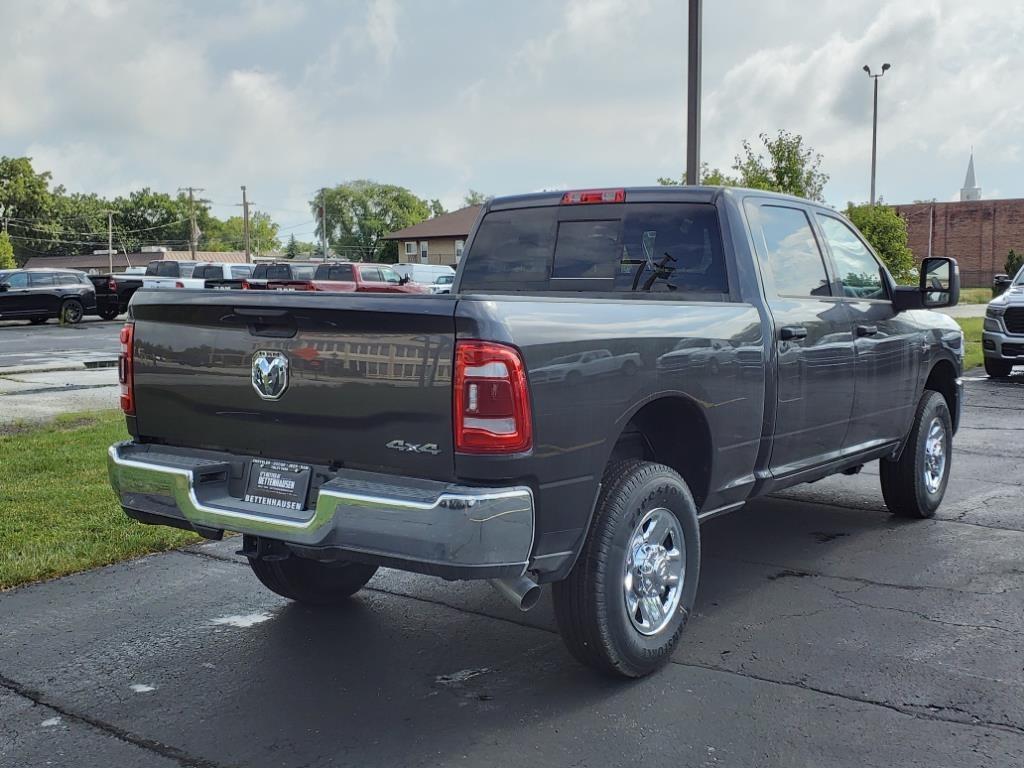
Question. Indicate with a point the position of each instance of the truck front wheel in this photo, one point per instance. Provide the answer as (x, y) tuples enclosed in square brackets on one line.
[(624, 605), (913, 486), (310, 581)]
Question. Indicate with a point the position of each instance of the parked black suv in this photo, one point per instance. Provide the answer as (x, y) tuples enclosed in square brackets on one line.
[(39, 294)]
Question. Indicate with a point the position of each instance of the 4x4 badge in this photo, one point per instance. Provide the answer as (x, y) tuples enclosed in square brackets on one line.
[(401, 445), (269, 374)]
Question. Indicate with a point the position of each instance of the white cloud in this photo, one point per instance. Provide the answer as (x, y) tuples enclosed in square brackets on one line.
[(381, 29), (453, 94)]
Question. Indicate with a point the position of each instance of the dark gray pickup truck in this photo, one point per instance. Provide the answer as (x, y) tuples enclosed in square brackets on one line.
[(611, 368)]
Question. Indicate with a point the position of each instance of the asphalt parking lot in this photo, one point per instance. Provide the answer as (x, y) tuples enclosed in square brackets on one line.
[(826, 633)]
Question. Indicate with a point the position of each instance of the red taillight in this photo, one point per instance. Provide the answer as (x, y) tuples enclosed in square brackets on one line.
[(492, 401), (112, 285), (126, 369), (585, 196), (178, 284), (245, 285)]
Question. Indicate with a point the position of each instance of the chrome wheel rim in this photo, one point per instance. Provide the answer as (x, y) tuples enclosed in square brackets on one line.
[(934, 455), (652, 581), (72, 313)]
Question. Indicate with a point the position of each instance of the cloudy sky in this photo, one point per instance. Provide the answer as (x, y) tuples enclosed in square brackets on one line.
[(444, 95)]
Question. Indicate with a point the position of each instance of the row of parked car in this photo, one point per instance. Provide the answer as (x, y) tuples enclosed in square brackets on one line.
[(38, 295)]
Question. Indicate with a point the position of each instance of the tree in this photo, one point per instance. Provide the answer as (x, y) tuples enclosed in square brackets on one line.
[(887, 233), (6, 252), (436, 208), (292, 249), (24, 203), (229, 235), (360, 213), (1014, 261), (474, 197), (788, 166)]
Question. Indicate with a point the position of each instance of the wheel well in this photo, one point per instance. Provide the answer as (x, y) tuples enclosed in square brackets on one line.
[(671, 431), (942, 379)]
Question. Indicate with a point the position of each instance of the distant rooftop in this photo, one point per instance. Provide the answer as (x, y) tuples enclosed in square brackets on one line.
[(454, 224)]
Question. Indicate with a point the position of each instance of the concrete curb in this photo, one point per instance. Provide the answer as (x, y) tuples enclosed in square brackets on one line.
[(53, 367)]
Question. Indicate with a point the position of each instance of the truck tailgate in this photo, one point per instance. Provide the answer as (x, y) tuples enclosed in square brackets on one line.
[(368, 379)]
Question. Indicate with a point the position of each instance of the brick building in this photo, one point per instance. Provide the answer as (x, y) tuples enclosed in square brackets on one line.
[(977, 233)]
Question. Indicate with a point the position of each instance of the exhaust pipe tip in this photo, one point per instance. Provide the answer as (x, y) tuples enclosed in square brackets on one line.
[(523, 592)]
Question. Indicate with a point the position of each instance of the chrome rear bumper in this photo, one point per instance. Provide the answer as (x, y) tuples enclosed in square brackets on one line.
[(423, 525)]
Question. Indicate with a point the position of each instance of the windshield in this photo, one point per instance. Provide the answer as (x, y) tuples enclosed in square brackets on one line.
[(1019, 279)]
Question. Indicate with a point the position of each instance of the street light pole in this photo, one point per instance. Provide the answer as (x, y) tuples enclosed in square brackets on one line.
[(693, 94), (874, 126)]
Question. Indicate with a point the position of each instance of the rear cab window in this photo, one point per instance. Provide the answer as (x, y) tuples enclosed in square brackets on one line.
[(644, 250)]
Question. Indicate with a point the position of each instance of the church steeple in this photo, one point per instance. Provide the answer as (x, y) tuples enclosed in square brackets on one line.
[(970, 190)]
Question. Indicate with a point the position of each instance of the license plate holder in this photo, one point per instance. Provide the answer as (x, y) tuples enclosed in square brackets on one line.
[(281, 484)]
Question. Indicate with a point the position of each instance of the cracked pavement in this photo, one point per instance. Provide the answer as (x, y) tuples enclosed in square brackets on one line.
[(826, 633)]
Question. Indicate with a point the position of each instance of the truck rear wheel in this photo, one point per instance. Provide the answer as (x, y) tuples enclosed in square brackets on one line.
[(624, 605), (310, 581), (913, 486), (109, 313)]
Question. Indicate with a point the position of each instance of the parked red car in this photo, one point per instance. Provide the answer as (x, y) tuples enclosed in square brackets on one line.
[(341, 276)]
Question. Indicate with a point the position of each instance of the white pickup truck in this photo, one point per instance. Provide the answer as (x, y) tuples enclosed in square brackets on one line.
[(189, 274)]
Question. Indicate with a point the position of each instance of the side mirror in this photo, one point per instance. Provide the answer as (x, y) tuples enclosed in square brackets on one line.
[(4, 287), (940, 282), (939, 286), (403, 280)]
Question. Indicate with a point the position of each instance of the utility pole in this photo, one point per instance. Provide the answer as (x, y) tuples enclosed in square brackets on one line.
[(874, 126), (323, 222), (245, 225), (693, 95), (194, 231), (110, 237)]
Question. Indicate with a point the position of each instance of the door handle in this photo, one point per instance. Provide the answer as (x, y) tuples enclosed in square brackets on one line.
[(867, 330), (792, 332)]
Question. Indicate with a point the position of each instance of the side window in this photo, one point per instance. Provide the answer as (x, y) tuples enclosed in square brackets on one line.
[(389, 275), (369, 275), (240, 271), (794, 258), (857, 269), (201, 272), (41, 279), (153, 268), (17, 280), (301, 272), (410, 247)]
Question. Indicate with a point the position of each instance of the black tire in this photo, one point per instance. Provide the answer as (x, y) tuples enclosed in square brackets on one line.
[(310, 581), (109, 313), (904, 485), (590, 605), (997, 369), (71, 312), (38, 320)]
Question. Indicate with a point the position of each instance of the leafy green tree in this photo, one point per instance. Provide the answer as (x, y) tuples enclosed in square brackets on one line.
[(6, 252), (229, 235), (887, 233), (292, 249), (1014, 261), (473, 197), (146, 217), (436, 208), (360, 213), (786, 165)]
